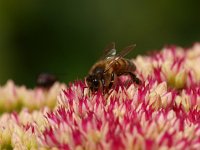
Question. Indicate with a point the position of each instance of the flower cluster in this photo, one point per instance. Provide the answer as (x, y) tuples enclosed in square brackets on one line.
[(161, 113), (175, 65), (15, 98)]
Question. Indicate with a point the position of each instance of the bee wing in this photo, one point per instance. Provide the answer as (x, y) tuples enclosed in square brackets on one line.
[(109, 51), (123, 53)]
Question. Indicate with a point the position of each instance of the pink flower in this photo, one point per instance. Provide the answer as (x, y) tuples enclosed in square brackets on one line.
[(162, 113), (15, 98), (122, 122)]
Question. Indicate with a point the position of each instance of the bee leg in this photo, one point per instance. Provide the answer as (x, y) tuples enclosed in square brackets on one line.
[(105, 90), (112, 81), (106, 87), (134, 78)]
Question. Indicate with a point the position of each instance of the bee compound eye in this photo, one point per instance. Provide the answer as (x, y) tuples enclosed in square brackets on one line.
[(95, 82)]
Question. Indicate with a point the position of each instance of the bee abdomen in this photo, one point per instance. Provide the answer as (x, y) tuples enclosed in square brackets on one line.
[(127, 65), (124, 65)]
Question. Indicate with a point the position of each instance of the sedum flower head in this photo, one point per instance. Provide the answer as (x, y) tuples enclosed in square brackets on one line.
[(15, 98), (162, 113)]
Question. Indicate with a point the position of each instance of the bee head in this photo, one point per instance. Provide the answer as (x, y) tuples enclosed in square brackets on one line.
[(93, 82)]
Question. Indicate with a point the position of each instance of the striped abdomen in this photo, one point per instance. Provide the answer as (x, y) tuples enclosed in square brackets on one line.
[(122, 66)]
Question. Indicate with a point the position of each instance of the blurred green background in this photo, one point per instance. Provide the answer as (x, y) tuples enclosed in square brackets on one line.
[(66, 37)]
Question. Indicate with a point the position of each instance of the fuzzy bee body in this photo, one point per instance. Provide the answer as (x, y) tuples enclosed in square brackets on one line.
[(119, 67), (103, 74)]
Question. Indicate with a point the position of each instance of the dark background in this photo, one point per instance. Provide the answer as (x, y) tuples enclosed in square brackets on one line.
[(66, 37)]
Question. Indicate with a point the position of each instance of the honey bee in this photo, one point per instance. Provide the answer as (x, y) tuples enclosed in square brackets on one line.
[(104, 72), (45, 80)]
